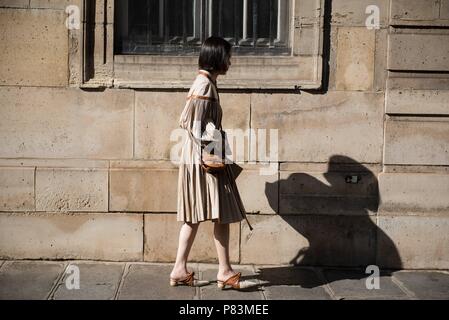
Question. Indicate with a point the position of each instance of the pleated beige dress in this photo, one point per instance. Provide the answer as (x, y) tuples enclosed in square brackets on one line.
[(201, 195)]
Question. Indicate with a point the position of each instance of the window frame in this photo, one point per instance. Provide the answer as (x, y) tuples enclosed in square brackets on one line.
[(94, 59)]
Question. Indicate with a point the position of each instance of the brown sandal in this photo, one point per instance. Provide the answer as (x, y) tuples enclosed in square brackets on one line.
[(188, 281), (233, 281)]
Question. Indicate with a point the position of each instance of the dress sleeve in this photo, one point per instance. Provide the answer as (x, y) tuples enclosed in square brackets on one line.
[(199, 116)]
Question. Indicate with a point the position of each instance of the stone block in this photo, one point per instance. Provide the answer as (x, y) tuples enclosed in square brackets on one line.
[(34, 48), (335, 192), (157, 116), (259, 192), (413, 242), (14, 3), (353, 12), (144, 189), (313, 128), (418, 52), (444, 9), (109, 236), (380, 60), (54, 4), (71, 189), (66, 123), (355, 58), (16, 189), (309, 240), (417, 141), (414, 10), (417, 101), (414, 192)]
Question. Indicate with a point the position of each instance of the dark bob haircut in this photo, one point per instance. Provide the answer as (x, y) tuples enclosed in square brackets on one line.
[(214, 54)]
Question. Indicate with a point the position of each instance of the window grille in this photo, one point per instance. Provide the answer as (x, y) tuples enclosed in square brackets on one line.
[(179, 27)]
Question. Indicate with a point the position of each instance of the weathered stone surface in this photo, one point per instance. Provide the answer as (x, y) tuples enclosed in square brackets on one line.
[(380, 60), (414, 10), (414, 192), (28, 280), (259, 191), (71, 189), (309, 240), (419, 52), (291, 283), (157, 116), (34, 48), (425, 285), (55, 163), (353, 12), (98, 281), (247, 72), (444, 9), (162, 237), (14, 3), (313, 128), (352, 284), (418, 141), (151, 282), (16, 189), (417, 101), (417, 81), (108, 236), (315, 193), (355, 58), (143, 189), (54, 4), (66, 123), (421, 242)]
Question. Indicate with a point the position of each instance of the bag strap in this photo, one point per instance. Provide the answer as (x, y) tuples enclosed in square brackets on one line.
[(214, 83)]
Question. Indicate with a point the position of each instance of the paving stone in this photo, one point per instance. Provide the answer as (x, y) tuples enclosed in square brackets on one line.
[(425, 285), (28, 280), (351, 284), (291, 283), (151, 282), (212, 292), (295, 293), (98, 281)]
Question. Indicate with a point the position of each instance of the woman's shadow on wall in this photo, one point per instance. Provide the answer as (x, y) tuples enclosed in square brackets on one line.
[(336, 220)]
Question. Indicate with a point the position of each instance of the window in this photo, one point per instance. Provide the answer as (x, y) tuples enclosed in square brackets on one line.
[(180, 26), (277, 44)]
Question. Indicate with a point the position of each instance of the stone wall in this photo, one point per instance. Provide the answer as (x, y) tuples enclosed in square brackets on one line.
[(362, 176)]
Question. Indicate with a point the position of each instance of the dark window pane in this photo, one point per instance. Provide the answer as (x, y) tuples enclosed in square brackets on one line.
[(180, 26)]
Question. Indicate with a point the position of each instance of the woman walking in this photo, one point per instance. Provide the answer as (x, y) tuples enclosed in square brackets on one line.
[(203, 195)]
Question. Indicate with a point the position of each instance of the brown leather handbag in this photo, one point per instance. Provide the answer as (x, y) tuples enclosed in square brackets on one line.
[(214, 163)]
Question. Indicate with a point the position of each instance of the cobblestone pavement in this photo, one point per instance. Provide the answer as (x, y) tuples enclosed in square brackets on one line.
[(21, 279)]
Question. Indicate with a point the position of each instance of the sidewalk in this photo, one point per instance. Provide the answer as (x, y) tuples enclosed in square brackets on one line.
[(119, 280)]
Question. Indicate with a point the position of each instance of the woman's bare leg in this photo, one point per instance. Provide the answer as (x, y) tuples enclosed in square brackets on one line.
[(221, 239), (186, 236)]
